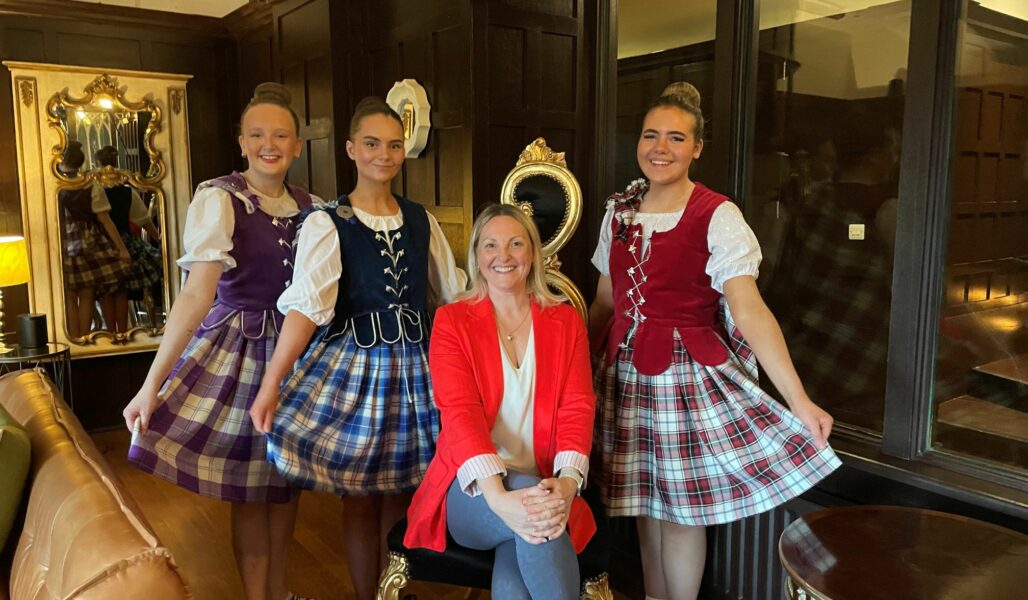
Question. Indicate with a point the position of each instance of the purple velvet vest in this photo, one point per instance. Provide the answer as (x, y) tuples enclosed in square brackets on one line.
[(668, 291), (262, 246)]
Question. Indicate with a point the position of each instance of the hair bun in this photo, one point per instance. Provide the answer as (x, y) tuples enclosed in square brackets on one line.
[(684, 91), (272, 91)]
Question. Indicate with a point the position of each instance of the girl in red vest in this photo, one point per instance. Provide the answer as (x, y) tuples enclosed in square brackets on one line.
[(687, 437)]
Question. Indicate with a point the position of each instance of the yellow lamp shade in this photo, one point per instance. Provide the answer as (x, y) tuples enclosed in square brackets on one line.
[(14, 261)]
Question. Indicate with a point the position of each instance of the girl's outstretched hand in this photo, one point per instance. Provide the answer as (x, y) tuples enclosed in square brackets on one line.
[(262, 411), (140, 408), (816, 420)]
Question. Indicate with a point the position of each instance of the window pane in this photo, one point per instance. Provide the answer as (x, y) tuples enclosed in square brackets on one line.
[(823, 202), (982, 364)]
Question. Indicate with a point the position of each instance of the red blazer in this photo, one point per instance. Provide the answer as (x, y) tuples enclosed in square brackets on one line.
[(467, 378)]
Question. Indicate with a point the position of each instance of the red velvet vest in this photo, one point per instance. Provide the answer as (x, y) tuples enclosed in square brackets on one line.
[(666, 289)]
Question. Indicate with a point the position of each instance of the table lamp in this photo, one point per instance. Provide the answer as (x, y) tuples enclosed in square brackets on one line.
[(14, 270)]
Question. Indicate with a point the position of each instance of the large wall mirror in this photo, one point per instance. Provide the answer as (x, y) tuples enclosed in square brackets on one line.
[(108, 152)]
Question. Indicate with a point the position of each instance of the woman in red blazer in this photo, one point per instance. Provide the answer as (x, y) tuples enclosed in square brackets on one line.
[(511, 375)]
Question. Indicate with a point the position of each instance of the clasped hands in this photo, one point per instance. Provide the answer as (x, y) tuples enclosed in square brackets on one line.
[(538, 513)]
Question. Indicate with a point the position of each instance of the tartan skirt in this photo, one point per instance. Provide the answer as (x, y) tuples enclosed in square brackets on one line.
[(700, 445), (201, 436), (90, 259), (146, 268), (356, 421)]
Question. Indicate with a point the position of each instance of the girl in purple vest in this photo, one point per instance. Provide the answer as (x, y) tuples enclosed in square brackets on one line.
[(687, 437), (357, 416), (191, 413)]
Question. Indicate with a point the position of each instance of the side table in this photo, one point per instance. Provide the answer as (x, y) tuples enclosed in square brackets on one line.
[(889, 552), (55, 358)]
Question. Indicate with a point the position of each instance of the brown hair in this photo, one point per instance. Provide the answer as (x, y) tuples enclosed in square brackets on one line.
[(107, 156), (271, 92), (683, 96), (371, 105), (73, 156), (535, 284)]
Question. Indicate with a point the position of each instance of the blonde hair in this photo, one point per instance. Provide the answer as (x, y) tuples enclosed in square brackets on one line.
[(684, 96), (535, 283)]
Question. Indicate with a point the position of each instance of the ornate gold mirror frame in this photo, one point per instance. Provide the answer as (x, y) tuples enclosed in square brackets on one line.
[(104, 92), (555, 205), (41, 93)]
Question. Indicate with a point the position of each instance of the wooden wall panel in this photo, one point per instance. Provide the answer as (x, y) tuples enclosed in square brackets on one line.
[(989, 205), (536, 80), (98, 50)]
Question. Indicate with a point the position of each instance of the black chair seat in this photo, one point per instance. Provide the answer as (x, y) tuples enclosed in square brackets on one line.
[(466, 567)]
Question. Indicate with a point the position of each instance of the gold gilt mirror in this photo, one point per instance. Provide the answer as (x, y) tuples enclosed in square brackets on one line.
[(542, 186), (110, 209)]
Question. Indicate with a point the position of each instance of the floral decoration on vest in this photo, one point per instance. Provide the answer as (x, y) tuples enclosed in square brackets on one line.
[(625, 205)]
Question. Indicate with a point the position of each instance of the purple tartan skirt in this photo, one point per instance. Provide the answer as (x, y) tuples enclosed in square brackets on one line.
[(700, 445), (90, 259), (201, 436)]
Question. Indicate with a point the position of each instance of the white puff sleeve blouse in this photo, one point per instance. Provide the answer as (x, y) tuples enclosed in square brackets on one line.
[(211, 221), (734, 250)]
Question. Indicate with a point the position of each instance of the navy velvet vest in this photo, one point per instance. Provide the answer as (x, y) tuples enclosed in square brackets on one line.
[(120, 198), (383, 287)]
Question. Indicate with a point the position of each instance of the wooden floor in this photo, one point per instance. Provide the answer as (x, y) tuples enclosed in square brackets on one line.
[(196, 530)]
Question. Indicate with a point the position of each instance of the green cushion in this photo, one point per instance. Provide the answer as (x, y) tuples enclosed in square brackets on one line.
[(15, 455)]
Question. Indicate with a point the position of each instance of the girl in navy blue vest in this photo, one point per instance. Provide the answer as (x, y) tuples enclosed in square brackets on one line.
[(191, 412), (357, 416), (687, 437)]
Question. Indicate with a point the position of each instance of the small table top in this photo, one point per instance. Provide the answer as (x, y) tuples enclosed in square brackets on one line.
[(19, 354), (886, 552)]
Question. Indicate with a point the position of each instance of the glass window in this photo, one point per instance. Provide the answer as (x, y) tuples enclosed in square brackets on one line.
[(981, 380), (656, 47), (829, 111)]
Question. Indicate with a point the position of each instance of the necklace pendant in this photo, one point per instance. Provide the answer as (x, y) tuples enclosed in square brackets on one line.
[(510, 337)]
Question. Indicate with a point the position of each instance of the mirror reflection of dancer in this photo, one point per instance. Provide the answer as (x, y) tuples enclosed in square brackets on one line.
[(146, 270), (357, 416), (510, 365), (220, 333), (687, 437), (94, 255)]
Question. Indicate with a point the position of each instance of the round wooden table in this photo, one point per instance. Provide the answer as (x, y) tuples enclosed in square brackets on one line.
[(892, 552)]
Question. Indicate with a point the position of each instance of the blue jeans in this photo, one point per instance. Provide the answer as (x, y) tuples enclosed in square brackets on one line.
[(521, 571)]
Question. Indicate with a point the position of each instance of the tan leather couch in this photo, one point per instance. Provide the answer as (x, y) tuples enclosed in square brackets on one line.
[(84, 538)]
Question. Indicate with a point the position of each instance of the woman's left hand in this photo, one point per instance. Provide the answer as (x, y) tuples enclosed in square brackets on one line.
[(551, 524), (816, 420)]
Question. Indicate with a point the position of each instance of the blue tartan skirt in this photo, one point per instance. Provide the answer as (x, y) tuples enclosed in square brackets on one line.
[(356, 421), (698, 444)]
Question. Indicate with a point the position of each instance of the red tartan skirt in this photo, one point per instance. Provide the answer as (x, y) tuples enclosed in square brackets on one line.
[(700, 445)]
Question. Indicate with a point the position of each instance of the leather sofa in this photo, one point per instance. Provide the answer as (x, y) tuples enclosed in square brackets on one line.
[(83, 536)]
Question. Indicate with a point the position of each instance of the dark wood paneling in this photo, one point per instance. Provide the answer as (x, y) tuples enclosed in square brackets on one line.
[(537, 80), (97, 50)]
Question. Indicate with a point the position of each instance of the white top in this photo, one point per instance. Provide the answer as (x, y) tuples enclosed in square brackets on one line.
[(319, 264), (211, 221), (138, 213), (512, 432), (734, 250), (98, 199)]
